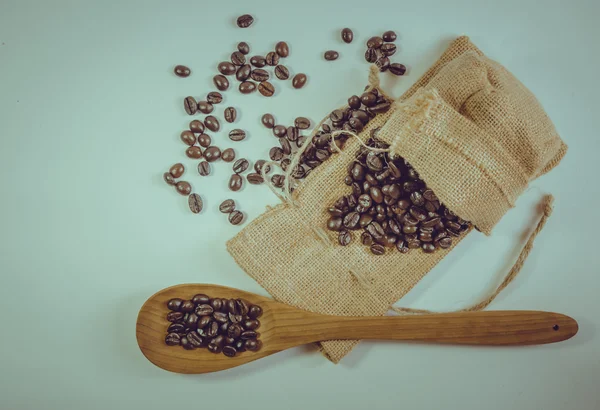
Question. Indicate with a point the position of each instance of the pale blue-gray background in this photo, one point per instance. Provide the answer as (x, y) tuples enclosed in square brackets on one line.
[(90, 114)]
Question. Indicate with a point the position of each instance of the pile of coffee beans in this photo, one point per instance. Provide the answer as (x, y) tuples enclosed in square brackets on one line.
[(392, 205), (227, 326), (228, 207)]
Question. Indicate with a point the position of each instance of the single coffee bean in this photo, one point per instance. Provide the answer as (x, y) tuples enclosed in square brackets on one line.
[(227, 206), (237, 135), (236, 217), (241, 165), (212, 153), (272, 58), (335, 224), (213, 348), (375, 42), (259, 165), (182, 71), (302, 123), (221, 82), (282, 72), (235, 318), (212, 123), (253, 345), (243, 47), (197, 127), (234, 331), (185, 343), (249, 334), (175, 304), (354, 102), (282, 49), (238, 59), (285, 146), (188, 137), (344, 238), (243, 306), (356, 124), (259, 75), (214, 97), (292, 133), (299, 80), (388, 49), (235, 182), (194, 339), (226, 68), (383, 63), (336, 115), (276, 154), (445, 243), (204, 139), (245, 21), (176, 328), (251, 324), (177, 170), (204, 168), (428, 247), (173, 339), (371, 55), (174, 316), (254, 312), (228, 155), (243, 73), (187, 306), (194, 152), (204, 320), (229, 351), (183, 187), (377, 249), (366, 239), (280, 131), (190, 105), (365, 220), (220, 317), (258, 61), (389, 36), (380, 107), (278, 180), (369, 99), (397, 69), (376, 230), (266, 88), (268, 120), (331, 55), (191, 321), (216, 304), (205, 107), (195, 203), (255, 179), (376, 194), (230, 114), (351, 220), (247, 87), (204, 310), (347, 35)]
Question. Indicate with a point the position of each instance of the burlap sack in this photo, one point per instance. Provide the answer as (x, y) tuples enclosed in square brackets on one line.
[(295, 260)]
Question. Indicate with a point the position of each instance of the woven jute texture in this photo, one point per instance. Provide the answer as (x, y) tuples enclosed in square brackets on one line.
[(288, 253)]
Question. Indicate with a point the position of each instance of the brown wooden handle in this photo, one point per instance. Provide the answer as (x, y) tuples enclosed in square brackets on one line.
[(475, 328)]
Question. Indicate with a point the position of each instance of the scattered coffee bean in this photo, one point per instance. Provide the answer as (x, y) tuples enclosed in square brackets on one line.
[(188, 138), (278, 180), (268, 120), (255, 178), (241, 165), (245, 21), (375, 42), (228, 155), (230, 114), (292, 133), (221, 82), (212, 153), (388, 49), (266, 88), (190, 105), (286, 148), (371, 55), (227, 206), (377, 249), (182, 71), (226, 68), (383, 63), (169, 178), (331, 55), (236, 217), (258, 61), (347, 35), (243, 73), (204, 140), (194, 152), (299, 80), (237, 135), (397, 69), (276, 154), (212, 123), (177, 170), (197, 127), (282, 49), (259, 75), (235, 182), (389, 36), (214, 97), (302, 123), (183, 187), (247, 87), (279, 131), (282, 72), (344, 238), (259, 165), (272, 58), (204, 168), (243, 47), (195, 203)]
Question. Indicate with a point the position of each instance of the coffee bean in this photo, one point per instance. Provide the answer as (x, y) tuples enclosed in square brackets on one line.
[(204, 168), (173, 339), (374, 163), (389, 36), (241, 165), (272, 58), (369, 99), (212, 153), (214, 97), (254, 312), (258, 61), (278, 180), (344, 238), (292, 133), (230, 114), (187, 306), (235, 318), (282, 72), (221, 82), (175, 304), (227, 206), (197, 127), (176, 328), (331, 55), (204, 140), (235, 182), (190, 105), (177, 170), (188, 138), (268, 120), (335, 224), (255, 179), (245, 21), (194, 339), (375, 42), (194, 152), (226, 68), (259, 165), (237, 135), (212, 123), (383, 63), (380, 107), (299, 80), (428, 247), (377, 249), (397, 69), (191, 321), (266, 88), (280, 131), (252, 345), (285, 146), (174, 316), (259, 75), (371, 55), (388, 49), (195, 203), (236, 217), (247, 87), (243, 47), (243, 73), (243, 306), (182, 71), (445, 243), (347, 35), (216, 304), (228, 155), (276, 154), (249, 334), (220, 317), (282, 49), (302, 123), (351, 220)]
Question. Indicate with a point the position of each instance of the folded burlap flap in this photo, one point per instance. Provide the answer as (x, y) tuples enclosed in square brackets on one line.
[(288, 253)]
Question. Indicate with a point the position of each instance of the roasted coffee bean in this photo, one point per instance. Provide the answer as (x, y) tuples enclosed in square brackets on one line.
[(229, 351), (397, 69), (376, 230), (276, 154), (351, 220), (235, 318), (197, 127), (191, 321), (333, 211), (236, 217), (272, 58), (302, 123), (187, 306), (213, 348), (234, 331), (388, 49), (220, 317), (374, 163), (366, 239), (185, 343), (282, 49), (356, 124), (190, 105), (183, 187), (177, 170), (182, 71), (212, 153), (230, 114), (428, 247), (194, 339), (216, 304), (376, 195), (389, 36), (365, 201), (221, 82), (228, 155), (245, 21), (445, 243), (194, 152), (241, 165), (195, 203), (354, 102), (249, 334), (204, 321), (383, 63), (243, 73), (292, 133), (238, 59), (280, 131), (205, 107), (380, 107), (347, 35), (175, 304), (268, 120), (243, 306), (368, 99), (377, 249), (336, 115), (255, 179), (212, 123), (226, 68), (299, 80), (370, 178), (371, 55), (417, 199), (247, 87), (174, 316), (375, 42), (188, 138), (214, 97), (266, 88), (278, 180), (237, 135), (252, 345), (335, 224), (173, 339), (176, 328), (282, 72), (285, 146), (258, 61), (259, 75), (243, 47), (365, 220), (255, 312), (344, 238), (361, 115), (227, 206), (331, 55), (235, 182)]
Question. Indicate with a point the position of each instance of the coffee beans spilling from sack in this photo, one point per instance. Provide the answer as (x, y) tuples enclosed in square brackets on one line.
[(225, 326), (392, 205)]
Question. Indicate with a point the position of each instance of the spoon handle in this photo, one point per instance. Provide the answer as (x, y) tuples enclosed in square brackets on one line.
[(474, 328)]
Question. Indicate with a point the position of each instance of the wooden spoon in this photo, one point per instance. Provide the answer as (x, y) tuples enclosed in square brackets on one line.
[(283, 326)]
